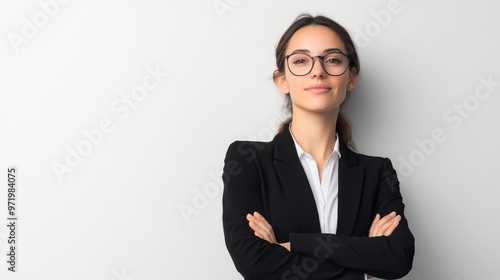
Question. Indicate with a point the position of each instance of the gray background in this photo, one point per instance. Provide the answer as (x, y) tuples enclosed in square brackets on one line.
[(118, 213)]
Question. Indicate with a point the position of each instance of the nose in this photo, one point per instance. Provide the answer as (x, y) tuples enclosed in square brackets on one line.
[(317, 70)]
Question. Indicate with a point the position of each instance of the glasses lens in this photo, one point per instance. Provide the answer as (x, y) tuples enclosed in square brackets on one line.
[(335, 63), (300, 64)]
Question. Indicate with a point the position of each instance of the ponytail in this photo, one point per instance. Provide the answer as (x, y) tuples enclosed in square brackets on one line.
[(345, 131)]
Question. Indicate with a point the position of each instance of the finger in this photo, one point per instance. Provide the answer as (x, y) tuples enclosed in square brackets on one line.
[(391, 229), (381, 225), (393, 226), (263, 223), (258, 217), (377, 218), (250, 217), (383, 228), (386, 219), (257, 228), (265, 236), (372, 227), (262, 234), (261, 218), (254, 226), (258, 221), (261, 227)]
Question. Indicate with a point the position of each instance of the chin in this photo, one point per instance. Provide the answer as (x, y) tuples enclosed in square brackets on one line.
[(319, 105), (322, 109)]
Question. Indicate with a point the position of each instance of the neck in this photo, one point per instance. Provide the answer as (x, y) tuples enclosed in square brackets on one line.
[(315, 133)]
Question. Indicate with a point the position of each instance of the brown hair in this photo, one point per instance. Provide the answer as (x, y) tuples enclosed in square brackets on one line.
[(303, 20)]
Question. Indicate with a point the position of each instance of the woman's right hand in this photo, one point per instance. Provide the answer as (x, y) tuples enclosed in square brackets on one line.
[(261, 227), (384, 226)]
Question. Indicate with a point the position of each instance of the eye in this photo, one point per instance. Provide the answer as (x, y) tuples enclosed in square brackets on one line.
[(299, 59), (335, 59)]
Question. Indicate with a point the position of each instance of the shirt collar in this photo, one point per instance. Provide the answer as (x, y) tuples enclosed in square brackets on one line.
[(300, 151)]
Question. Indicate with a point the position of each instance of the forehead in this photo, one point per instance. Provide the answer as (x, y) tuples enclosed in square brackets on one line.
[(316, 39)]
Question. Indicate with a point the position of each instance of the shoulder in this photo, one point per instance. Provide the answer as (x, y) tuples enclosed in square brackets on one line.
[(249, 150), (379, 164), (378, 171), (368, 159), (249, 159)]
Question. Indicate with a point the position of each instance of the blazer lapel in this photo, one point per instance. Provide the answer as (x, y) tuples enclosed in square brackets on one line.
[(294, 182), (351, 177)]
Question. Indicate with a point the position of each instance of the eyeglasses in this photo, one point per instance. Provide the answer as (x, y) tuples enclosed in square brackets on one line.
[(301, 64)]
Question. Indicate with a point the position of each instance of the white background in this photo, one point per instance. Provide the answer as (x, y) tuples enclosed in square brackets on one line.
[(117, 214)]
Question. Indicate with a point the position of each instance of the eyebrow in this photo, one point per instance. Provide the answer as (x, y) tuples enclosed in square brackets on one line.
[(324, 52)]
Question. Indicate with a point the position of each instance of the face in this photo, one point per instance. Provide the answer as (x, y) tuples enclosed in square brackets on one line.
[(316, 91)]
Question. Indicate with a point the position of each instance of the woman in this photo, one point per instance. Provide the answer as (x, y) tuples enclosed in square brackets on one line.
[(305, 206)]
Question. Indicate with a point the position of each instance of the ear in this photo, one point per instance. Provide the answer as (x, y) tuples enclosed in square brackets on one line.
[(352, 80), (280, 81)]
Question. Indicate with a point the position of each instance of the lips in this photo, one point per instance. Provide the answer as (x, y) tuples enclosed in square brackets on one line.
[(319, 88)]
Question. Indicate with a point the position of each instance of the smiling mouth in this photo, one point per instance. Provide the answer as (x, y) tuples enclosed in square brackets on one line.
[(319, 89)]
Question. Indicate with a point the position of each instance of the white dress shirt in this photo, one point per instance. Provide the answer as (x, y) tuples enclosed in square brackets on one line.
[(326, 190)]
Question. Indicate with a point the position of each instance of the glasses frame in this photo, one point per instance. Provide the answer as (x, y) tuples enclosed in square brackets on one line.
[(322, 57)]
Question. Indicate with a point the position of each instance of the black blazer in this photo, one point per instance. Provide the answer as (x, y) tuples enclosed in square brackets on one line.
[(268, 177)]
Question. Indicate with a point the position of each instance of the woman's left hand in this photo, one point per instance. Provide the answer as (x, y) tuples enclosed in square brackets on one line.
[(263, 229), (384, 226)]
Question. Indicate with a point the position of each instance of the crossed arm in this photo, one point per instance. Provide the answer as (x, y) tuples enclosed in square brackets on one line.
[(380, 227)]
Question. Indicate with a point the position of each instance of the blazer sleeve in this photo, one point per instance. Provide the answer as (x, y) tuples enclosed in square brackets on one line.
[(253, 257), (388, 257)]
